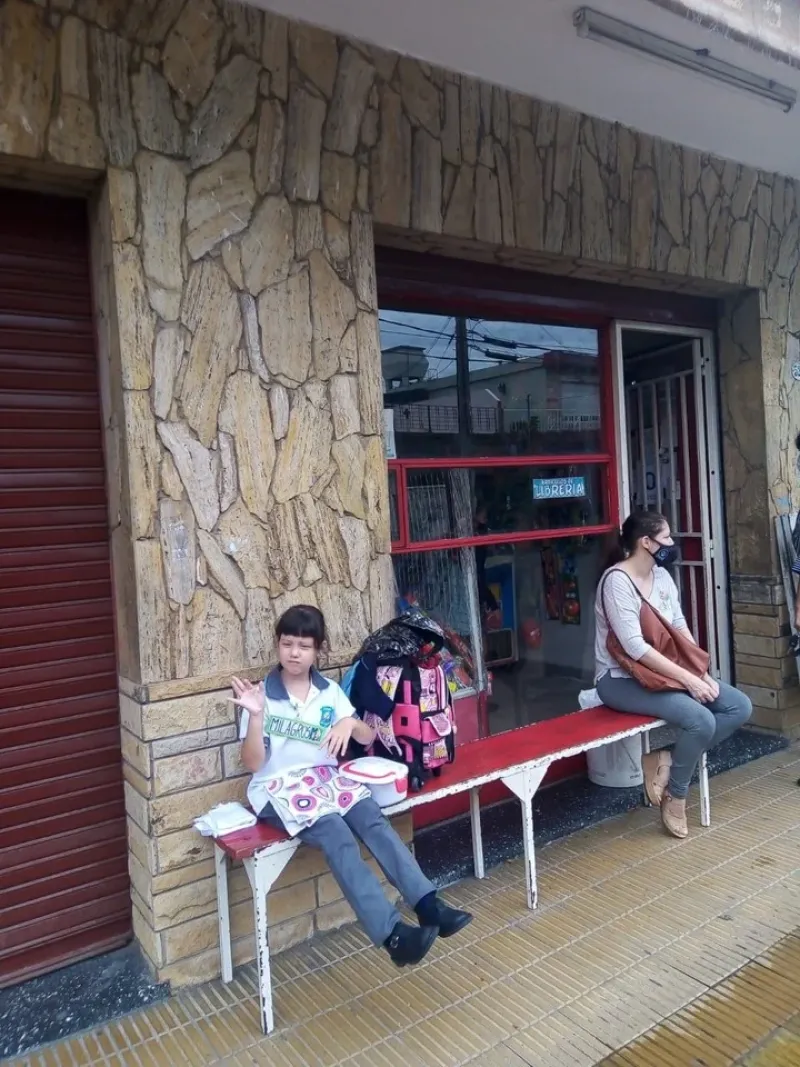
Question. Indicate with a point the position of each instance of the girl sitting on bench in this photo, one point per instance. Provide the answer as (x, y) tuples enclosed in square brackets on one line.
[(295, 725)]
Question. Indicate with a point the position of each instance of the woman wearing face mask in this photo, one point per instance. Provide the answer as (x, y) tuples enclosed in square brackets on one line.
[(705, 711)]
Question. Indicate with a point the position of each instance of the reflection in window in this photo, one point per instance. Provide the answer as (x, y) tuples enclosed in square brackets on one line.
[(470, 387)]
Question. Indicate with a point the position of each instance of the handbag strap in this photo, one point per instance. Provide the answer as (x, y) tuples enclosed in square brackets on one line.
[(606, 576), (667, 625), (636, 589)]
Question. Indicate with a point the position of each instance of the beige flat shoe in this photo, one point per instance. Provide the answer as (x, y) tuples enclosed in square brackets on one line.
[(673, 816), (655, 770)]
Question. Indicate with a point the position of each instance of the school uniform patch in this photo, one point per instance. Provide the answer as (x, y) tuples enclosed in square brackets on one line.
[(293, 729)]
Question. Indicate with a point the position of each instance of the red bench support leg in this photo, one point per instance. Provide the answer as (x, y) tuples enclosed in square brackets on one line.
[(523, 784), (263, 870), (223, 914), (477, 835)]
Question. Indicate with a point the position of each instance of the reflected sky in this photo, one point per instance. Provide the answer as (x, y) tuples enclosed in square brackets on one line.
[(491, 343)]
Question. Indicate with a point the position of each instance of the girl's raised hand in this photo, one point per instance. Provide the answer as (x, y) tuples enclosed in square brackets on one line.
[(248, 695)]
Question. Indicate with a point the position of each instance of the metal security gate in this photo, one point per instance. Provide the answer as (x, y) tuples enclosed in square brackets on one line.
[(64, 885), (673, 466)]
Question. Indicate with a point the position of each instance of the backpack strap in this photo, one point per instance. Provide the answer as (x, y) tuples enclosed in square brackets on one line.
[(347, 681)]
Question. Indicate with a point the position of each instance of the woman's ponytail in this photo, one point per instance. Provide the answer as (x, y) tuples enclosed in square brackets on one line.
[(616, 554)]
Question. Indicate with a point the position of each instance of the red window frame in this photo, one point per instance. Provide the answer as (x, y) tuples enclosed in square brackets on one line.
[(607, 460)]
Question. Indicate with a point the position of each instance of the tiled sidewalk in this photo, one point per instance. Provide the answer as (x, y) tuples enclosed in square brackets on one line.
[(755, 1009), (641, 955)]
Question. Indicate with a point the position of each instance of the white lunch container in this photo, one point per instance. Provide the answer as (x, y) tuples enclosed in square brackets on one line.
[(386, 779)]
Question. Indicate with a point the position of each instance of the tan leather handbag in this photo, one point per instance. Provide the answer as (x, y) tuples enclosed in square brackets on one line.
[(664, 638)]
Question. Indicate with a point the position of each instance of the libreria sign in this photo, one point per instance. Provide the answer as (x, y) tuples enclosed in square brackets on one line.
[(559, 488)]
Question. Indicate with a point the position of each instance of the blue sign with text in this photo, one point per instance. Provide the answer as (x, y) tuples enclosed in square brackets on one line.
[(559, 488)]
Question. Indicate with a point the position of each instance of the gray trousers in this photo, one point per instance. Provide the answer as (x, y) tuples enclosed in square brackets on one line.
[(701, 725), (337, 836)]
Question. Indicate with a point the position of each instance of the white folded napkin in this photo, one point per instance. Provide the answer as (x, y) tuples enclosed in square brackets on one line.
[(225, 819)]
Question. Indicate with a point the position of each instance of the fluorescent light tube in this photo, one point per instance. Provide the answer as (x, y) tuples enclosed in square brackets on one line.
[(595, 26)]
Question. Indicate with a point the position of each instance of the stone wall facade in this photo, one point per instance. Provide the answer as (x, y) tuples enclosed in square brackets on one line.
[(237, 165)]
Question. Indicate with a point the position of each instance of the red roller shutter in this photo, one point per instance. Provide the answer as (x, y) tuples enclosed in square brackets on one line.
[(64, 889)]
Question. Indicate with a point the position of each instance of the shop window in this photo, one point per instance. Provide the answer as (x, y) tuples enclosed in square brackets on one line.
[(482, 387), (444, 584), (537, 615), (445, 503), (502, 485), (529, 609)]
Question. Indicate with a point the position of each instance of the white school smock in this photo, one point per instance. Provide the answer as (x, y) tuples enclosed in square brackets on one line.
[(293, 730)]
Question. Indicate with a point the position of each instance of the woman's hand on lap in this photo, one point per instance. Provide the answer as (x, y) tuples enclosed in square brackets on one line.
[(713, 683), (705, 690)]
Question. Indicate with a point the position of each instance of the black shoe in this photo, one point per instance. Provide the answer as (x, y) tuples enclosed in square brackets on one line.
[(433, 912), (410, 944)]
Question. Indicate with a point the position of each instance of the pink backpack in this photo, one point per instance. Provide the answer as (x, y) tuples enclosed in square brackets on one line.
[(420, 735)]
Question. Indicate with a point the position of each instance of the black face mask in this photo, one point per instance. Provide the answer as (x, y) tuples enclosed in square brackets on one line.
[(666, 555)]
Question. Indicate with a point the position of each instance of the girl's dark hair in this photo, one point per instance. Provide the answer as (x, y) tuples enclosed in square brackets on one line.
[(638, 524), (303, 620)]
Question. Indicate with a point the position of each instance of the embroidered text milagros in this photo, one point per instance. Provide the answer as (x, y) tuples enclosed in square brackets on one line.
[(296, 730)]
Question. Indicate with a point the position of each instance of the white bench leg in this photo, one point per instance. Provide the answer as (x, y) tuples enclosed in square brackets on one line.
[(477, 835), (705, 792), (263, 870), (645, 752), (523, 784), (223, 913)]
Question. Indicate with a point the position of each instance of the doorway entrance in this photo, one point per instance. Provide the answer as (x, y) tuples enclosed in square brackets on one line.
[(670, 462)]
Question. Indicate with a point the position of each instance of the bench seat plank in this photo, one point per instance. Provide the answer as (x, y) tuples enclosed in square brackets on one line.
[(241, 844)]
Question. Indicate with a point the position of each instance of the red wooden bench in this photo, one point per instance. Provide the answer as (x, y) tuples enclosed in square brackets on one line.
[(519, 758)]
